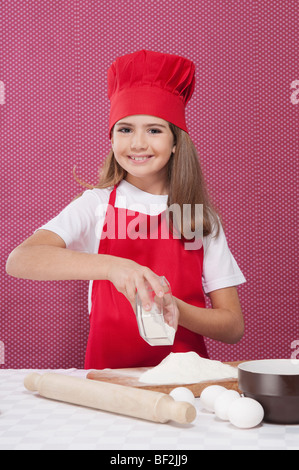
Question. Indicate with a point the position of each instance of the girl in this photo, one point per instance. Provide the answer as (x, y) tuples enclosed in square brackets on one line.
[(113, 234)]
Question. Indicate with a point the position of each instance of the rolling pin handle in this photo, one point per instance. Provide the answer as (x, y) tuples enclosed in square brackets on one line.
[(31, 381), (181, 412)]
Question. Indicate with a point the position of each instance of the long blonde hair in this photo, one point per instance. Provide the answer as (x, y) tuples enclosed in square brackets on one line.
[(185, 181)]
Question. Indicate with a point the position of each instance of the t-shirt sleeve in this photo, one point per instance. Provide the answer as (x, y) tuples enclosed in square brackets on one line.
[(220, 268), (80, 223)]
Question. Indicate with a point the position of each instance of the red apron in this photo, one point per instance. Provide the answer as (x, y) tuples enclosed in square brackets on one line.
[(114, 341)]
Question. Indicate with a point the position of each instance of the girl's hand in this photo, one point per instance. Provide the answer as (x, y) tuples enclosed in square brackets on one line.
[(171, 311), (129, 277)]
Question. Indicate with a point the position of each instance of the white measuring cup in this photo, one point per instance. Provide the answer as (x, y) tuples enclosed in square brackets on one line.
[(158, 325)]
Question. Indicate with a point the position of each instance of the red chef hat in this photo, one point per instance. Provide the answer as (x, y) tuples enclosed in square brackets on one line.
[(152, 83)]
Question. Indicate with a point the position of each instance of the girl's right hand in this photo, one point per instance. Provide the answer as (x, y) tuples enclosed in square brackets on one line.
[(129, 277)]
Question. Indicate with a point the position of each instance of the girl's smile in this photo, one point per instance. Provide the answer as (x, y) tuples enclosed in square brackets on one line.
[(143, 146), (139, 159)]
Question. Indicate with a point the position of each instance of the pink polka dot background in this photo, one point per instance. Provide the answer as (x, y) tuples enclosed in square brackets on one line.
[(243, 119)]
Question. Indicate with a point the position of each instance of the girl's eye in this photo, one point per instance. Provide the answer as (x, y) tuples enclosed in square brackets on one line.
[(155, 131), (124, 130)]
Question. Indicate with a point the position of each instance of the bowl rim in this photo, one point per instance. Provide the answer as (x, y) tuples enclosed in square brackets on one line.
[(275, 367)]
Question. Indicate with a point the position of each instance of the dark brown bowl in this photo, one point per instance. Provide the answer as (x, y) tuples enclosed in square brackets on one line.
[(274, 383)]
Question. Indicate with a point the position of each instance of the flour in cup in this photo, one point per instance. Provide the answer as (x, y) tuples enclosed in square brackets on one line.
[(156, 329)]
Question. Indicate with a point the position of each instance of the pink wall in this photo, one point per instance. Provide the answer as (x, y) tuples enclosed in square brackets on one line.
[(53, 61)]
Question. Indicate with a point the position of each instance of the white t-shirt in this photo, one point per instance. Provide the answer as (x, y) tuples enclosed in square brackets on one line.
[(80, 225)]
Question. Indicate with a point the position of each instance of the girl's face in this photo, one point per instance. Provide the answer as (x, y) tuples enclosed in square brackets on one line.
[(142, 146)]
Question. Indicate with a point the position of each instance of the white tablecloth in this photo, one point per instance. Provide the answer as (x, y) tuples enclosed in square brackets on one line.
[(29, 421)]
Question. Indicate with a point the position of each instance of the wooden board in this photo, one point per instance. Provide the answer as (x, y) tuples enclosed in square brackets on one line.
[(130, 378)]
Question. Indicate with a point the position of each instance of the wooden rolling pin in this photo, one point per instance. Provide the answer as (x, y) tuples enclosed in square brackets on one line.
[(130, 401)]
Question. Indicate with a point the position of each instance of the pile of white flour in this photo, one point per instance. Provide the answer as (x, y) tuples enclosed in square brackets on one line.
[(187, 368)]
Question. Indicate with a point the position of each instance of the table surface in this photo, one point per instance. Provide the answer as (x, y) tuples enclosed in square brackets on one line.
[(29, 421)]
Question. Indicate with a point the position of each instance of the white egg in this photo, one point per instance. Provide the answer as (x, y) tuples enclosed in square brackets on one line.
[(209, 395), (223, 402), (182, 394), (245, 413)]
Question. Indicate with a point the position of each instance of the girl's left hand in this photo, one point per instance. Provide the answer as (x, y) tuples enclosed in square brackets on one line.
[(171, 311)]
